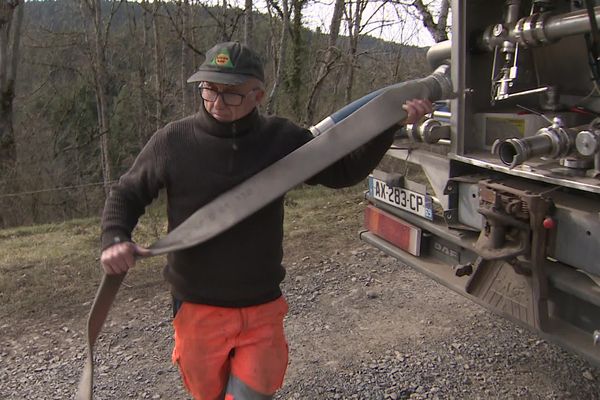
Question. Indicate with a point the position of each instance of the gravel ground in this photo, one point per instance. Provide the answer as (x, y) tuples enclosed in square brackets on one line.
[(361, 326)]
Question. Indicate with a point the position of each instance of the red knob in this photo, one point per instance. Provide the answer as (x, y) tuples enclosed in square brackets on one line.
[(549, 223)]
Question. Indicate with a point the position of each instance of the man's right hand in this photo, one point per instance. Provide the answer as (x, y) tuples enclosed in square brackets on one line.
[(118, 258)]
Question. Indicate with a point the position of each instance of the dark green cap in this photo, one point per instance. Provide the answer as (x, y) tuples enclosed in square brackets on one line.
[(229, 63)]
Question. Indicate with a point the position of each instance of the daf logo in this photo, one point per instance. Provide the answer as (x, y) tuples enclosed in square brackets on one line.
[(445, 250)]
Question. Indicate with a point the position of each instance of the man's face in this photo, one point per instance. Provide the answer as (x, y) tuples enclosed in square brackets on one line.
[(228, 103)]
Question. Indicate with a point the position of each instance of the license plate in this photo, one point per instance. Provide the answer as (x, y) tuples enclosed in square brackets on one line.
[(404, 199)]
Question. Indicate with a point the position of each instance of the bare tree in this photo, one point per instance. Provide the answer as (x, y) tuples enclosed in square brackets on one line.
[(284, 15), (248, 24), (139, 32), (227, 22), (158, 66), (97, 39), (295, 81), (181, 23), (354, 15), (426, 13), (11, 18), (185, 32), (185, 57), (324, 66), (223, 26)]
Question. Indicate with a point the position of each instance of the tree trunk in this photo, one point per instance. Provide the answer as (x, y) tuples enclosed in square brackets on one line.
[(102, 94), (223, 33), (295, 77), (248, 24), (354, 26), (103, 102), (437, 30), (397, 63), (158, 72), (331, 55), (285, 26), (11, 19), (142, 73), (97, 40), (185, 58)]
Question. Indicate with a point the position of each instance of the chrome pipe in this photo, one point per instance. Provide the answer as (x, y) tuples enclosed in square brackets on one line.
[(442, 114), (538, 29), (573, 23), (439, 53)]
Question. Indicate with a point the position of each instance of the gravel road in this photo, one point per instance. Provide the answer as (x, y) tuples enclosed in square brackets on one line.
[(361, 326)]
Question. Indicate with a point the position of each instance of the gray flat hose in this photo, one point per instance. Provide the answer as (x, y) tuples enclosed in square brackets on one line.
[(376, 115), (109, 286)]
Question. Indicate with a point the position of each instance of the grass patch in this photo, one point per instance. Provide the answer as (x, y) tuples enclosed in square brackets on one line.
[(320, 219), (55, 269)]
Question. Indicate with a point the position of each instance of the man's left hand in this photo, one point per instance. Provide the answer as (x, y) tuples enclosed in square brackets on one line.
[(416, 109)]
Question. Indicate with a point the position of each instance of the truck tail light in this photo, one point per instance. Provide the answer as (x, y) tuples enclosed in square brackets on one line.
[(394, 230)]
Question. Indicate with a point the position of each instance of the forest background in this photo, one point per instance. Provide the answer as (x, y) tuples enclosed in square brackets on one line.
[(85, 83)]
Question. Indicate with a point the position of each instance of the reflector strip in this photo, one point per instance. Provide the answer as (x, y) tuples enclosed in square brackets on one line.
[(396, 231)]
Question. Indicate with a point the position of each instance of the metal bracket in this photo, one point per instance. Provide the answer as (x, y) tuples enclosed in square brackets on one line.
[(467, 269), (451, 216), (451, 187)]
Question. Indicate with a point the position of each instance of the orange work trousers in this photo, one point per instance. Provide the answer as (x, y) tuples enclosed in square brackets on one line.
[(213, 344)]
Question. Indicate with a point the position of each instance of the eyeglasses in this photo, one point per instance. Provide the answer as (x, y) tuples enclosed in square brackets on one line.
[(229, 98)]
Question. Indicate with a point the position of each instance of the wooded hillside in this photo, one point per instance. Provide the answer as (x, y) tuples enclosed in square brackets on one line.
[(84, 83)]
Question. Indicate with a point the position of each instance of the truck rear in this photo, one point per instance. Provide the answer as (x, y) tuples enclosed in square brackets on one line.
[(497, 194)]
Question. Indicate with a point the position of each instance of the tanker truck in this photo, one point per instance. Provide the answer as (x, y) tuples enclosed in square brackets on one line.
[(496, 194)]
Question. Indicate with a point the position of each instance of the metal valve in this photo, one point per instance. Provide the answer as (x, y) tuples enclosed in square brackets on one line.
[(587, 142)]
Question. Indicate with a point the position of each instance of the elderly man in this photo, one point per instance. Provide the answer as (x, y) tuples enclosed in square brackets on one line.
[(229, 338)]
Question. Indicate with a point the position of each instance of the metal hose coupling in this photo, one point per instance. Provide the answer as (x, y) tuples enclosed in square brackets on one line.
[(554, 142), (440, 83), (428, 130)]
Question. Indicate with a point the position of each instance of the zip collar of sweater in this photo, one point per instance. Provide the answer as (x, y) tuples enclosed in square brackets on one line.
[(236, 129)]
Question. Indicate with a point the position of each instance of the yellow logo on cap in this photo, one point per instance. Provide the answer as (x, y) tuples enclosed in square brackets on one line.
[(222, 59)]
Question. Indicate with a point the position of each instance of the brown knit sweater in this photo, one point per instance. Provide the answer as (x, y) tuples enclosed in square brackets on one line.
[(198, 158)]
